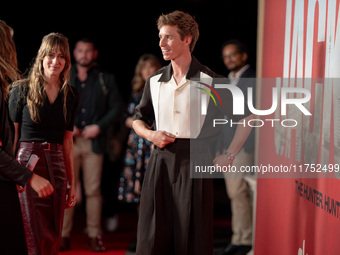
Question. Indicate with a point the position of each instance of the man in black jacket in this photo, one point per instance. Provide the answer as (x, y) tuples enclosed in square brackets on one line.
[(99, 108), (235, 57)]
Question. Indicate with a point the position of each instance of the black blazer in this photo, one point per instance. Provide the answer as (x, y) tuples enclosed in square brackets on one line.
[(10, 170), (105, 108), (247, 79)]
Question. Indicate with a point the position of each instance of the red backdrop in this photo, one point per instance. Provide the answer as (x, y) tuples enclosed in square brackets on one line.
[(300, 215)]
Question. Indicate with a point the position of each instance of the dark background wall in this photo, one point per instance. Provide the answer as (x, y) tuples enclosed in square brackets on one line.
[(124, 30)]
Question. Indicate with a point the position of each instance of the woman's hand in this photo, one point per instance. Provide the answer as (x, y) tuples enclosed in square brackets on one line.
[(222, 160), (71, 198), (42, 186)]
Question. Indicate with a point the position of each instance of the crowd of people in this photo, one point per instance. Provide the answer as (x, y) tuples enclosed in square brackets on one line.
[(65, 115)]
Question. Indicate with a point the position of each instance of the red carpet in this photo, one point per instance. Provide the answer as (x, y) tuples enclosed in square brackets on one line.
[(116, 243)]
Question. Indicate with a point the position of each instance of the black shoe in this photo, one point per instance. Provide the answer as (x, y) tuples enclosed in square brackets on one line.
[(133, 245), (96, 244), (235, 250), (64, 244)]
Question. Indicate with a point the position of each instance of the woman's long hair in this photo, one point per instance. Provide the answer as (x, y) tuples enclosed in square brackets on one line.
[(137, 81), (36, 79), (8, 58)]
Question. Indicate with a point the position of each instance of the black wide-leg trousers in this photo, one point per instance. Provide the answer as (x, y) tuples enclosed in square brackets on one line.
[(176, 211)]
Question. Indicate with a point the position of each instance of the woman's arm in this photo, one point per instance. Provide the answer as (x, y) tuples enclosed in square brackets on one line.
[(16, 137), (69, 160), (42, 186)]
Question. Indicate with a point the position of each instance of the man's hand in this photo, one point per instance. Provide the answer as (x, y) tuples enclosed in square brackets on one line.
[(76, 131), (222, 160), (42, 186), (161, 138), (91, 131)]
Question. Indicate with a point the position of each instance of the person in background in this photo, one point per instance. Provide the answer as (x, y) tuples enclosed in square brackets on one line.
[(99, 107), (138, 149), (43, 108), (235, 57)]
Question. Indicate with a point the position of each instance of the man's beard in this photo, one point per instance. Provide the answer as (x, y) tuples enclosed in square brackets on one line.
[(87, 64), (235, 68)]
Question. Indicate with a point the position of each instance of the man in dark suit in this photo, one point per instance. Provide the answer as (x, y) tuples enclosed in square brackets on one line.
[(235, 57), (99, 107)]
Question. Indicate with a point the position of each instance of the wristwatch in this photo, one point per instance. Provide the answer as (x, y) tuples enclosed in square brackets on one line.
[(230, 156)]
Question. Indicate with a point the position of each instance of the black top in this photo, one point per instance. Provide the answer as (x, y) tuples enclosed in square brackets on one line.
[(10, 170), (106, 104), (52, 124), (85, 89)]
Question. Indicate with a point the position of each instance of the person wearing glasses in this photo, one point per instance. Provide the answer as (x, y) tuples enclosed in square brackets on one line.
[(235, 57)]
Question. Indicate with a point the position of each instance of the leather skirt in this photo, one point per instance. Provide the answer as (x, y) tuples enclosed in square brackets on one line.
[(43, 217)]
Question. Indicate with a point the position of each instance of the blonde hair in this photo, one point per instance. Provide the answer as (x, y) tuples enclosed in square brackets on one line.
[(36, 80), (186, 25), (137, 81), (8, 58)]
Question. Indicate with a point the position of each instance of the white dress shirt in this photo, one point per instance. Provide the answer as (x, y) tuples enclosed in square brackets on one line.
[(234, 77), (174, 106)]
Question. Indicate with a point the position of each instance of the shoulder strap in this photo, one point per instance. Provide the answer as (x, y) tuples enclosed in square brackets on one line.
[(102, 84)]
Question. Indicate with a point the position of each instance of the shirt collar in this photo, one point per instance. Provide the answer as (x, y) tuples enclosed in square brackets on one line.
[(233, 75), (194, 71)]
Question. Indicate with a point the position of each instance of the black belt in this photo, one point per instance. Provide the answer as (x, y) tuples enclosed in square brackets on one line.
[(42, 146)]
